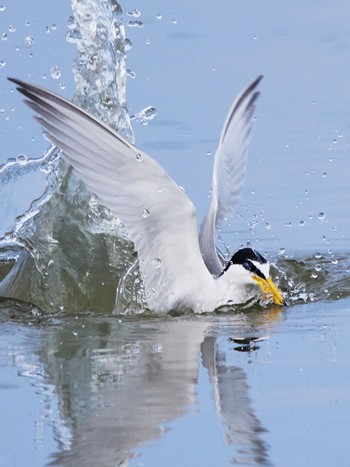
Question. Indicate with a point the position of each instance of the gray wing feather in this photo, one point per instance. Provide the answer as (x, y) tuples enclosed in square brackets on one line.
[(228, 174), (129, 183)]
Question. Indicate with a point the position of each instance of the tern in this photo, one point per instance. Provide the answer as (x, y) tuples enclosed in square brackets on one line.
[(181, 267)]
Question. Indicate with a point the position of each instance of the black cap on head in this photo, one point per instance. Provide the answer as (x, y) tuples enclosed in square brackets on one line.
[(245, 256)]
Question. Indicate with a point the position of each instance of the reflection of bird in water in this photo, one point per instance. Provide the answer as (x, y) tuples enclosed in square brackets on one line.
[(178, 270), (233, 406), (123, 385)]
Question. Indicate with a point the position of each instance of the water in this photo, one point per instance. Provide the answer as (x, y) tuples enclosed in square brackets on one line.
[(81, 386), (93, 389)]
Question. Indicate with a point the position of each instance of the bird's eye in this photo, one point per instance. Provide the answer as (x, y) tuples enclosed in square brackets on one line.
[(248, 266)]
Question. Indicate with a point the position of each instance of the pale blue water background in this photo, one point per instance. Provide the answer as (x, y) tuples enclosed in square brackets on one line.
[(109, 379)]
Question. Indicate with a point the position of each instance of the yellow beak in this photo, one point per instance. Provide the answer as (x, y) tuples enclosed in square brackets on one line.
[(269, 289)]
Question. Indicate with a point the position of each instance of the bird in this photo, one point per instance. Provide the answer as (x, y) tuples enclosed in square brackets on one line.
[(180, 265)]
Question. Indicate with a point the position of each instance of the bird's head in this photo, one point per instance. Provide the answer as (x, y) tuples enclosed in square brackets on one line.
[(252, 268)]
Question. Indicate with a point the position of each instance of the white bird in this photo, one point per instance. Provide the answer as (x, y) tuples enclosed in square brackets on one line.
[(179, 268)]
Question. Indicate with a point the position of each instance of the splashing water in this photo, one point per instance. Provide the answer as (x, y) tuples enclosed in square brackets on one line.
[(99, 70), (69, 252), (314, 278), (66, 252), (145, 115)]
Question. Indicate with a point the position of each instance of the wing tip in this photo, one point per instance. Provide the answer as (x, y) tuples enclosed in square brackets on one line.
[(24, 88), (16, 81), (248, 93), (258, 79)]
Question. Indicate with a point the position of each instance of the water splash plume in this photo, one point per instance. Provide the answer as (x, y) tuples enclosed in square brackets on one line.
[(70, 252)]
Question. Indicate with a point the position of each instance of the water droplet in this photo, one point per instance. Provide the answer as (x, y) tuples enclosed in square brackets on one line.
[(62, 86), (159, 16), (130, 73), (139, 157), (314, 275), (134, 13), (145, 213), (145, 115), (281, 251), (2, 8), (71, 24), (318, 268), (11, 28), (135, 24), (21, 159), (324, 174), (2, 64), (156, 263), (75, 333), (302, 224), (73, 37), (317, 256), (321, 216), (27, 23), (127, 44), (29, 41), (4, 36), (334, 261), (174, 21), (55, 72), (148, 41), (268, 225)]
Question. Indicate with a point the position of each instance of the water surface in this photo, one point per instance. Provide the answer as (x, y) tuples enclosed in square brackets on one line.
[(259, 387)]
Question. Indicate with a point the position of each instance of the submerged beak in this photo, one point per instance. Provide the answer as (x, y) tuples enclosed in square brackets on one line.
[(269, 289)]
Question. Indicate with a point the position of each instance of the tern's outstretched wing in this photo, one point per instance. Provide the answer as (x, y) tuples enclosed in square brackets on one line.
[(228, 175), (158, 216)]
